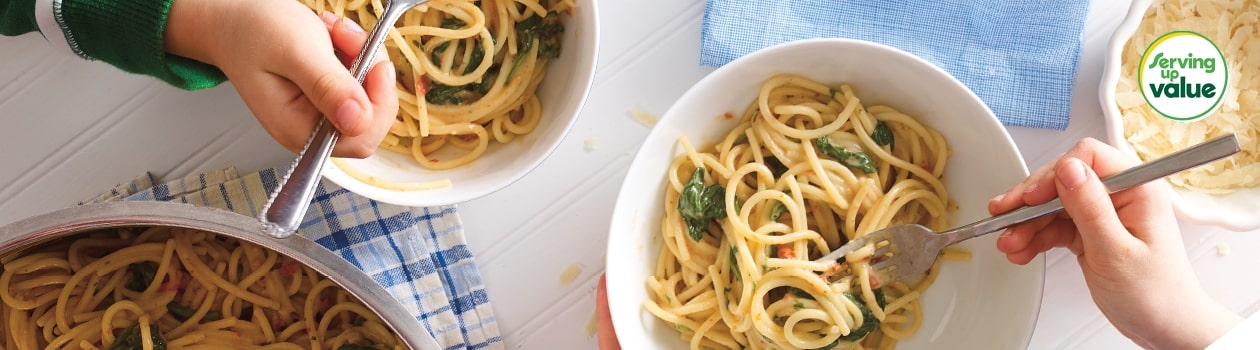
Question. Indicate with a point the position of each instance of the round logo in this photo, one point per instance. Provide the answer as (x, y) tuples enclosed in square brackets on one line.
[(1183, 76)]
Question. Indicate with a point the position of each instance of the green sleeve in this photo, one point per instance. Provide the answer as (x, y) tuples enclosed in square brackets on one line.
[(124, 33), (128, 35), (17, 17)]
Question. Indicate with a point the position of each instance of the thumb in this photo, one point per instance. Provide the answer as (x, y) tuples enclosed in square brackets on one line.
[(1087, 201)]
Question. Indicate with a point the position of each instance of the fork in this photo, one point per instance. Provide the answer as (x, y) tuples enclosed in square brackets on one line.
[(915, 248), (288, 202)]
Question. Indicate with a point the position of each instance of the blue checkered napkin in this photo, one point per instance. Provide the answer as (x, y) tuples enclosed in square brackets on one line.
[(1019, 56), (418, 254)]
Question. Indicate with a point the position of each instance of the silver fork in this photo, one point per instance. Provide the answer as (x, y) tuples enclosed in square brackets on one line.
[(287, 204), (284, 209), (915, 248)]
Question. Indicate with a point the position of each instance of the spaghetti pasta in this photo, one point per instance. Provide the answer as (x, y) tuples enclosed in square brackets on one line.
[(807, 169), (467, 72), (180, 288)]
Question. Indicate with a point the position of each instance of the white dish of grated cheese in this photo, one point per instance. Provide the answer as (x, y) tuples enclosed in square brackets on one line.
[(1224, 193)]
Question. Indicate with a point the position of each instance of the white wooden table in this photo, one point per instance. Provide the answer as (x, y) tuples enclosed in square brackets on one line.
[(69, 129)]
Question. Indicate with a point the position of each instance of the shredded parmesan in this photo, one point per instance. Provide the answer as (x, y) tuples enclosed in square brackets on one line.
[(570, 273), (591, 144), (592, 326), (645, 118), (1222, 249), (1233, 25)]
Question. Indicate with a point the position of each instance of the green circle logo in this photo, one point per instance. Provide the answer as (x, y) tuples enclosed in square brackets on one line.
[(1183, 76)]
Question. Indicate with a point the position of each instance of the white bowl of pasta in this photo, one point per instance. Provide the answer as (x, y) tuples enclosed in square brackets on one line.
[(862, 114), (126, 275), (1224, 193), (487, 90)]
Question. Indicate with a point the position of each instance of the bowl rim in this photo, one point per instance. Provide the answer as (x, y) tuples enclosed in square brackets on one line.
[(431, 197), (72, 221), (1038, 264), (1112, 117)]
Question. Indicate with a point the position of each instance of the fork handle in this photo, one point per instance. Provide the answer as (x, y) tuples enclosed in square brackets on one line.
[(1200, 154), (283, 212)]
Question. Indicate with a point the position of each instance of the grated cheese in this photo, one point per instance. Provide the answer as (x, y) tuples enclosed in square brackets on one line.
[(1234, 25), (643, 117), (1222, 249), (591, 144)]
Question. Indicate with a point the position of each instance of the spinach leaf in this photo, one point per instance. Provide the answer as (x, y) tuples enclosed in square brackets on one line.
[(801, 293), (452, 23), (882, 135), (455, 23), (142, 275), (130, 339), (526, 45), (441, 94), (699, 203), (869, 322), (447, 23), (436, 55), (852, 159), (182, 313), (487, 80), (549, 34), (777, 210), (475, 58), (546, 29), (735, 266)]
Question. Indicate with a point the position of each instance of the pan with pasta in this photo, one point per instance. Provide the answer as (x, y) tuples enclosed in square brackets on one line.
[(129, 285)]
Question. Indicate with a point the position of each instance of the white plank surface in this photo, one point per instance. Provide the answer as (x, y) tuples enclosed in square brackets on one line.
[(70, 128)]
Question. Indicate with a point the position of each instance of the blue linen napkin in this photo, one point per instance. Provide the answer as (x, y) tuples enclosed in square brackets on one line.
[(1019, 56), (418, 254)]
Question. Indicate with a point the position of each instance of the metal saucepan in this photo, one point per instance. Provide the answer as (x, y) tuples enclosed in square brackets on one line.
[(68, 222)]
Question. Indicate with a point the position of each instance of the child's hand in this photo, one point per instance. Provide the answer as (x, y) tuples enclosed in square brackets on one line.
[(607, 335), (290, 68), (1127, 243)]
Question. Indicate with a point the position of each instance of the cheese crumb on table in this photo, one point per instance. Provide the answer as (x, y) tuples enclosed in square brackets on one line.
[(591, 144), (570, 273), (592, 326), (643, 117)]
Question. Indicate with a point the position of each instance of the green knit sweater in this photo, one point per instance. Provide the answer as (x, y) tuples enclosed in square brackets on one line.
[(123, 33)]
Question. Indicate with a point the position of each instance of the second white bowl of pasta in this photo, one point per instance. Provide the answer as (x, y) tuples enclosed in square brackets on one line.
[(723, 208), (487, 90)]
